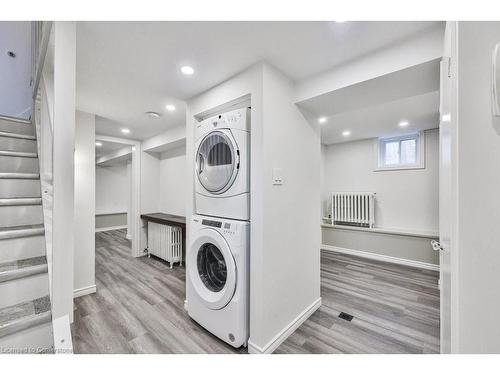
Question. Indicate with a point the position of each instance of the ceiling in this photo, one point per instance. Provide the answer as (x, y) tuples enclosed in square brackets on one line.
[(107, 148), (374, 108), (421, 111), (127, 68)]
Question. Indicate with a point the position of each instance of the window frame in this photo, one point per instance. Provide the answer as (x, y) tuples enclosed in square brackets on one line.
[(419, 150)]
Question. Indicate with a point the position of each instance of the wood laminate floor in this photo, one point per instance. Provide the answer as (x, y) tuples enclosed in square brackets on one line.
[(139, 308), (395, 309)]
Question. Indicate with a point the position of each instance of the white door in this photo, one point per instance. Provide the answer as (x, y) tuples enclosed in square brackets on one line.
[(447, 127)]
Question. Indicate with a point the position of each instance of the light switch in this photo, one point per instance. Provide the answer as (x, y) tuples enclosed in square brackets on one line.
[(277, 176)]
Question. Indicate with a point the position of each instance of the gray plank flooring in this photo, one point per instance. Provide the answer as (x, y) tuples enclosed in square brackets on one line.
[(139, 308), (395, 309)]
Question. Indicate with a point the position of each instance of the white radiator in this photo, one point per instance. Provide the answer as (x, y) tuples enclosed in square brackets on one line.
[(353, 208), (165, 242)]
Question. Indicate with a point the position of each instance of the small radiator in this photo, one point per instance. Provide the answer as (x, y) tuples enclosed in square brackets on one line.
[(352, 208), (165, 242)]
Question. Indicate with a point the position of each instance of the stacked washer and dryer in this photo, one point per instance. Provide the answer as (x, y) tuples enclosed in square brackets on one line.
[(218, 259)]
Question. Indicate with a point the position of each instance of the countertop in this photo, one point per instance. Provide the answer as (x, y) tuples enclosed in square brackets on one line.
[(167, 219)]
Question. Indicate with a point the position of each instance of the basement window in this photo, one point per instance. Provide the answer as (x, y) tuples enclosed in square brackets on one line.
[(402, 152)]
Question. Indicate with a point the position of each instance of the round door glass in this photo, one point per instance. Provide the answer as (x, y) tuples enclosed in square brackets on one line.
[(215, 162), (212, 267)]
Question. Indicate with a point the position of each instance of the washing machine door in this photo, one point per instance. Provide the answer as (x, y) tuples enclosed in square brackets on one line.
[(217, 162), (212, 270)]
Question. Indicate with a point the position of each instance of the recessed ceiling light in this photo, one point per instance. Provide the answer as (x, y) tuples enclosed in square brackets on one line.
[(346, 133), (322, 120), (187, 70), (98, 144), (403, 123), (170, 107), (125, 131)]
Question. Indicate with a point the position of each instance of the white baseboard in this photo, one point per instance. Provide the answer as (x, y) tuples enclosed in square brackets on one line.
[(287, 331), (383, 258), (110, 228), (84, 291)]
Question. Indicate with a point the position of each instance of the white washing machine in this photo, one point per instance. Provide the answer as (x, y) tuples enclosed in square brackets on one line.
[(217, 277), (222, 171)]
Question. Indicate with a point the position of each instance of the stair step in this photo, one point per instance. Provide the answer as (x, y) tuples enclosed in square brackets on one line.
[(16, 125), (18, 154), (21, 248), (19, 176), (11, 216), (22, 268), (24, 315), (17, 142), (17, 135), (12, 163), (21, 231), (30, 201)]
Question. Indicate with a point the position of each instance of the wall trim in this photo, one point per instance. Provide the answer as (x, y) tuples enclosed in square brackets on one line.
[(383, 258), (272, 345), (110, 228), (84, 291)]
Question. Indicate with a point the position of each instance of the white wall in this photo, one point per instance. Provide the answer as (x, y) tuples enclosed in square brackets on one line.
[(289, 275), (284, 261), (15, 73), (112, 188), (84, 258), (150, 190), (478, 270), (173, 182), (406, 199)]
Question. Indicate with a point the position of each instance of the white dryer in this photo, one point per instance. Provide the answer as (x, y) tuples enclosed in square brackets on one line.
[(222, 170), (217, 277)]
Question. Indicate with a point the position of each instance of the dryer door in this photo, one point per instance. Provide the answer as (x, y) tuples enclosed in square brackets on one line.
[(217, 162), (212, 270)]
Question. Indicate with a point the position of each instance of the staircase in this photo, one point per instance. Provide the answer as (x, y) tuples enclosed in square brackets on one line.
[(25, 309)]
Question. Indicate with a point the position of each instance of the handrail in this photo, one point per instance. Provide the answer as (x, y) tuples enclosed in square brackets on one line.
[(40, 36)]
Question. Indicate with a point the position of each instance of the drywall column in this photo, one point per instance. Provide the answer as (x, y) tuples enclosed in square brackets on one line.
[(150, 192), (64, 168), (286, 285), (84, 258), (130, 200), (478, 270)]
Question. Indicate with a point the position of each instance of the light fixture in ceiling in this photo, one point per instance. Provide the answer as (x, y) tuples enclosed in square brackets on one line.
[(170, 107), (403, 124), (152, 114), (322, 120), (98, 144), (187, 70), (125, 131), (346, 133)]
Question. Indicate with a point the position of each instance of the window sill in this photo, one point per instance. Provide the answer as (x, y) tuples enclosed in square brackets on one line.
[(399, 168)]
